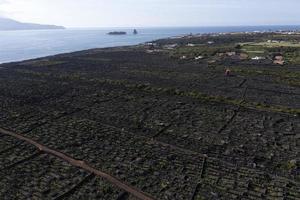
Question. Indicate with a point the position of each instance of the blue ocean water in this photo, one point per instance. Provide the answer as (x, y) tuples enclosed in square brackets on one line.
[(22, 45)]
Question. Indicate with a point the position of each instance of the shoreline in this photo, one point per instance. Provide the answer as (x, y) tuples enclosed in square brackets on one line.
[(28, 57), (59, 54)]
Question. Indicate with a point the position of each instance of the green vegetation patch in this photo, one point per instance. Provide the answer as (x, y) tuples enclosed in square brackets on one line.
[(277, 44), (203, 50), (293, 57), (43, 63)]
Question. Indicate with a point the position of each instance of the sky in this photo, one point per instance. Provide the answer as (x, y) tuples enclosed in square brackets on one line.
[(153, 13)]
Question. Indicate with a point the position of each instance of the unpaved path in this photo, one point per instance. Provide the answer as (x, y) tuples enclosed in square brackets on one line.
[(79, 163)]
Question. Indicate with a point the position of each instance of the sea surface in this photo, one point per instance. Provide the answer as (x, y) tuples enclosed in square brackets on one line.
[(22, 45)]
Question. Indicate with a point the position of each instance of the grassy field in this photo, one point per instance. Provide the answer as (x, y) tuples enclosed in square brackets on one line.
[(290, 50), (273, 44), (202, 50)]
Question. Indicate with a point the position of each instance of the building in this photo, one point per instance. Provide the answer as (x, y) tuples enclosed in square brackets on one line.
[(199, 57), (258, 58), (231, 53), (191, 45), (278, 59), (183, 57), (170, 46), (244, 56)]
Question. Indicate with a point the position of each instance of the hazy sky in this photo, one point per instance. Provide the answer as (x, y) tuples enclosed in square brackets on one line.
[(133, 13)]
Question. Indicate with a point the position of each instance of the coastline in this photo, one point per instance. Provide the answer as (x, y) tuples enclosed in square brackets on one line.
[(55, 42), (62, 54)]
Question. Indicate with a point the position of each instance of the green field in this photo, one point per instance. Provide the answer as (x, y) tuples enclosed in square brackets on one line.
[(290, 50)]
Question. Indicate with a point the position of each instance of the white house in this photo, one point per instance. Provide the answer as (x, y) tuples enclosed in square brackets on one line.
[(258, 58)]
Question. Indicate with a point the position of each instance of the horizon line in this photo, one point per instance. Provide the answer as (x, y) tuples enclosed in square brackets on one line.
[(200, 26)]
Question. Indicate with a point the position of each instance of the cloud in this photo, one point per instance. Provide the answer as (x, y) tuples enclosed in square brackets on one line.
[(92, 13), (2, 2)]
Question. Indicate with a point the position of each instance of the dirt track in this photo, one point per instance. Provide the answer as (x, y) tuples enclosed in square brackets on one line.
[(81, 164)]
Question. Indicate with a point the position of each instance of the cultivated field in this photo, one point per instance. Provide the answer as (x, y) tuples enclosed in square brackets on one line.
[(165, 126)]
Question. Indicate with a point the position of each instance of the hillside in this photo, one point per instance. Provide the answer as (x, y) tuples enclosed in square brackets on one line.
[(9, 24)]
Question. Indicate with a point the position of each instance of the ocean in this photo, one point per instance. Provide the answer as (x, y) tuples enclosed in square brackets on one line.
[(22, 45)]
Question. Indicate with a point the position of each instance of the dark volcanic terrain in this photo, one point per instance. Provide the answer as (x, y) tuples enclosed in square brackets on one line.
[(161, 118)]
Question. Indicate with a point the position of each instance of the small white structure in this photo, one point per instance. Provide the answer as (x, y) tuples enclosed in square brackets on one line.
[(170, 46), (231, 53), (198, 57), (153, 51), (210, 42), (150, 44), (258, 58), (273, 41), (191, 45), (183, 57)]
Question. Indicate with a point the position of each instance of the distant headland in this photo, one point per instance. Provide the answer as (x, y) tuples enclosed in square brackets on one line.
[(10, 24)]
